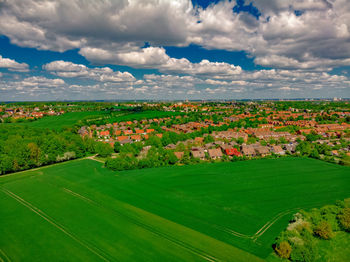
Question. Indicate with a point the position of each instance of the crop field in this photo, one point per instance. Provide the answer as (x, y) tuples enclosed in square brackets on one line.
[(144, 115), (71, 118), (79, 210), (66, 120)]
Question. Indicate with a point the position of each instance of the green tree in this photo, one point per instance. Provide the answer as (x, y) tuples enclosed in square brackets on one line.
[(103, 149)]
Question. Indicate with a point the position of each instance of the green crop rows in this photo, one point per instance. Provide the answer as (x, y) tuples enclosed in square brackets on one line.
[(227, 211)]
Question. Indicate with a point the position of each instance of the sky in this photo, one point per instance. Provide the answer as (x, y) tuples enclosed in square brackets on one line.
[(174, 49)]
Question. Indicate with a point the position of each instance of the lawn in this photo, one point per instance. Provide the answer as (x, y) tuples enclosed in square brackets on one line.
[(224, 211)]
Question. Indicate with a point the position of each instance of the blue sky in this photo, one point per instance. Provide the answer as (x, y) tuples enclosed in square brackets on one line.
[(177, 49)]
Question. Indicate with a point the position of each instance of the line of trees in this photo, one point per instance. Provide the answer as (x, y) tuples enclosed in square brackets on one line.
[(23, 148)]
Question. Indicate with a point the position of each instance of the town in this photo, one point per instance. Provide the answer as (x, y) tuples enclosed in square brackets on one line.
[(219, 134)]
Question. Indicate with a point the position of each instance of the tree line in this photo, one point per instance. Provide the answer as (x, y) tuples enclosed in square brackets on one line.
[(23, 148)]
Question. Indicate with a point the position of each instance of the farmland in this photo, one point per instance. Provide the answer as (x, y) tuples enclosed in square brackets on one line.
[(66, 120), (72, 118), (143, 115), (223, 211)]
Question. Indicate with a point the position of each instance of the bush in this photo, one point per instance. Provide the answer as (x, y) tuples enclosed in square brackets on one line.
[(323, 230), (344, 218), (103, 149), (283, 249), (306, 252)]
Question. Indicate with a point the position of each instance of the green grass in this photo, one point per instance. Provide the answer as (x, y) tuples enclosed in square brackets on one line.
[(71, 118), (188, 213), (66, 120), (144, 115)]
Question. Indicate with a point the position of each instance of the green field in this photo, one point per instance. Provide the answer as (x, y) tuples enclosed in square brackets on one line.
[(144, 115), (212, 212), (66, 120), (71, 118)]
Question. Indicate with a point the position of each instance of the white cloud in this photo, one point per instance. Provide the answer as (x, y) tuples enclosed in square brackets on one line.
[(287, 88), (108, 31), (300, 49), (40, 82), (156, 57), (103, 74), (12, 65)]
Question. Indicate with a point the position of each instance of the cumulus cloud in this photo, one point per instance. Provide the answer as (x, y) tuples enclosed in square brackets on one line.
[(156, 57), (301, 34), (103, 74), (63, 25), (40, 82), (12, 65), (301, 40)]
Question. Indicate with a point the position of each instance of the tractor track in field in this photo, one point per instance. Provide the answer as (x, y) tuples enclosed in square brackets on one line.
[(221, 228), (60, 227), (4, 257), (149, 228)]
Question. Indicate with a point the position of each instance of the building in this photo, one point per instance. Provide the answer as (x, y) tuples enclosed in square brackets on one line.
[(215, 153), (198, 153)]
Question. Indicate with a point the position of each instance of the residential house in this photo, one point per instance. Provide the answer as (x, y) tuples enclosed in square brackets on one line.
[(126, 141), (136, 138), (179, 155), (199, 139), (290, 147), (215, 153), (122, 138), (232, 152), (277, 150), (248, 151), (262, 151), (104, 134), (198, 153), (128, 132), (170, 146)]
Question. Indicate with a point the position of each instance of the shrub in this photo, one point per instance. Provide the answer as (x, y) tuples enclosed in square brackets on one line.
[(323, 230), (103, 149), (283, 249), (306, 252), (344, 218)]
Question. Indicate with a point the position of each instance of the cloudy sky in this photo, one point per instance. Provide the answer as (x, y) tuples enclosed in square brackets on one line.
[(174, 49)]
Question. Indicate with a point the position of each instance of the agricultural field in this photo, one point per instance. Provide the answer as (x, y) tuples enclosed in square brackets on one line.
[(210, 212), (66, 120), (143, 115), (72, 118)]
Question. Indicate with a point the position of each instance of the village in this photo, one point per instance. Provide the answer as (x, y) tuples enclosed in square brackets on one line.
[(218, 134), (26, 113)]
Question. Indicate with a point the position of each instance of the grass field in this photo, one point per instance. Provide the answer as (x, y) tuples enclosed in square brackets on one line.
[(71, 118), (210, 212), (144, 115), (66, 120)]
